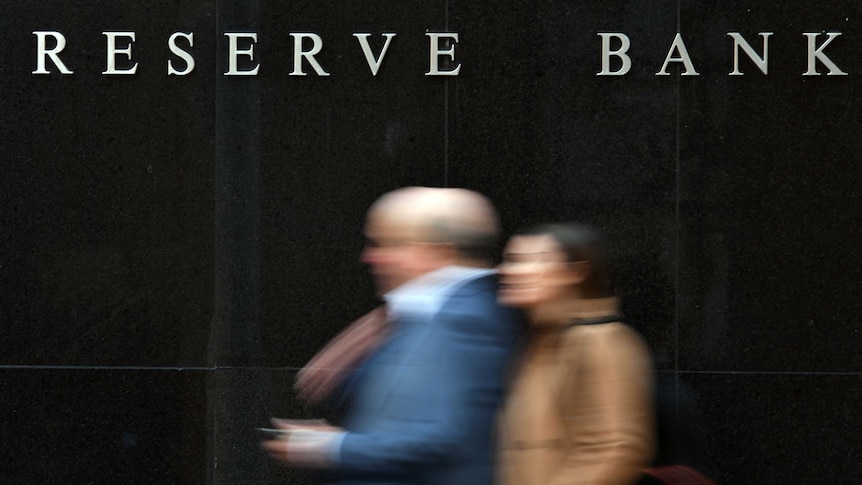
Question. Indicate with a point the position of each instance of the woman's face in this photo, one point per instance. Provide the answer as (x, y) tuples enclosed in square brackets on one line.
[(534, 271)]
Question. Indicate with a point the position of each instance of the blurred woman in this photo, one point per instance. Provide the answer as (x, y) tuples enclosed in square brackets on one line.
[(580, 407)]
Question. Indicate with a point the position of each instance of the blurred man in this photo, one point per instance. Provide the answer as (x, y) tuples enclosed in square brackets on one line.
[(422, 403)]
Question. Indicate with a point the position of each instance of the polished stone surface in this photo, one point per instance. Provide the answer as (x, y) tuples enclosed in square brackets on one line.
[(103, 426), (769, 197), (238, 401), (772, 428), (107, 190), (173, 248)]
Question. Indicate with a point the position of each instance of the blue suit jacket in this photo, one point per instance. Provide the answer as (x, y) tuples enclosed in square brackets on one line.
[(422, 408)]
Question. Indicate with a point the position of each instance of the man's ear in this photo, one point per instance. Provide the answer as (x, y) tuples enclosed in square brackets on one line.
[(447, 252), (578, 272), (439, 252)]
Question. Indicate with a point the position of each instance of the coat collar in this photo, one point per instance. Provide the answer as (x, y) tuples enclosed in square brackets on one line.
[(596, 310)]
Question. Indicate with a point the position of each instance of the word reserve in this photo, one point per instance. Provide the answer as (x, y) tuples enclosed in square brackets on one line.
[(240, 45)]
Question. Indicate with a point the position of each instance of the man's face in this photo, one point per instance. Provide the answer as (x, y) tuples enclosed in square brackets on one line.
[(390, 252)]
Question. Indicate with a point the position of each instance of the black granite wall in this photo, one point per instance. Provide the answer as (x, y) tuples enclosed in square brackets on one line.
[(172, 248)]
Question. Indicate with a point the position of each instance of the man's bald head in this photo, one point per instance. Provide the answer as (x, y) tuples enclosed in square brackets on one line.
[(463, 218), (415, 230)]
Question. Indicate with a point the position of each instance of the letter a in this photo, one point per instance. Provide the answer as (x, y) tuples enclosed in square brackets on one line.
[(679, 46)]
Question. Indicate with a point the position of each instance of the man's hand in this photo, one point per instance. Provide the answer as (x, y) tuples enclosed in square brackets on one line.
[(303, 443)]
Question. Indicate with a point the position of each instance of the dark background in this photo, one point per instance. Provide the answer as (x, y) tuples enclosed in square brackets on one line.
[(173, 248)]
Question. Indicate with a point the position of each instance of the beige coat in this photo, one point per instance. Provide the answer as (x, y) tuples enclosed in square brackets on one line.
[(581, 409)]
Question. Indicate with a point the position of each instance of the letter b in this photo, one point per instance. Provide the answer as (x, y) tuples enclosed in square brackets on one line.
[(625, 43)]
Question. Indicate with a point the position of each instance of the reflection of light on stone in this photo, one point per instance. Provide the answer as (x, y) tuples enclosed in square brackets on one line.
[(130, 440), (395, 132)]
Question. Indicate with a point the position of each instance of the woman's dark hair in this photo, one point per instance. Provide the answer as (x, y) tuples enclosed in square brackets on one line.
[(581, 243)]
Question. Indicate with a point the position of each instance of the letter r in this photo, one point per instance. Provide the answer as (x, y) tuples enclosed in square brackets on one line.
[(42, 52)]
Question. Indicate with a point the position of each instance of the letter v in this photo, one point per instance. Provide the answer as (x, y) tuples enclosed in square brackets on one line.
[(373, 64)]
